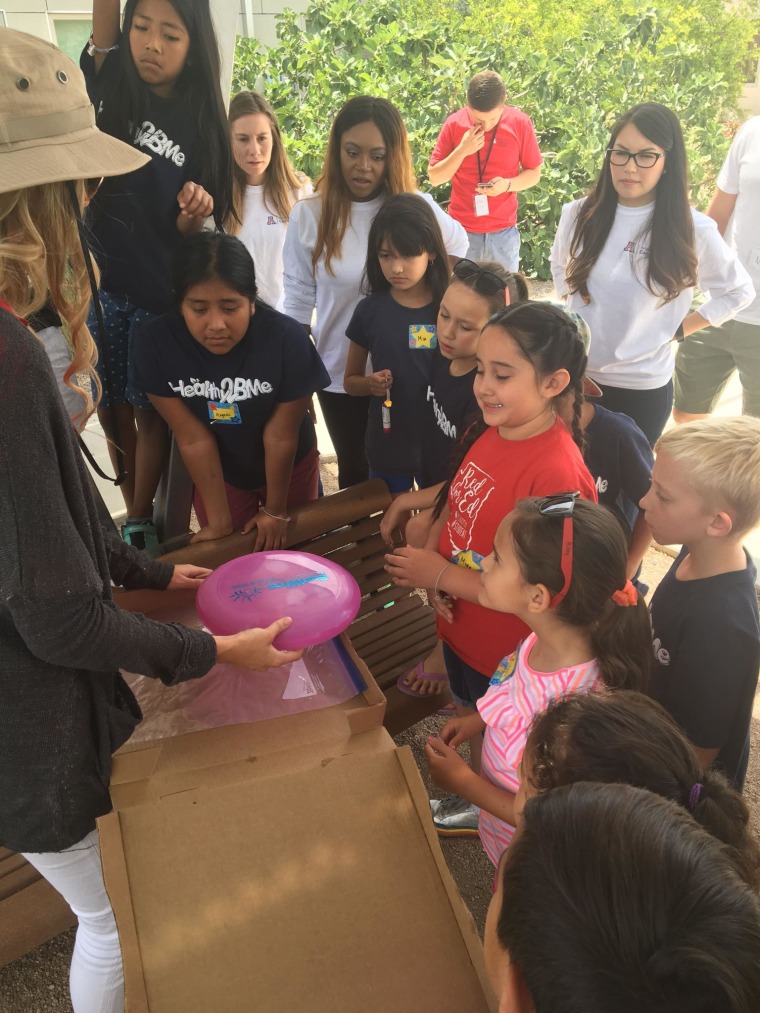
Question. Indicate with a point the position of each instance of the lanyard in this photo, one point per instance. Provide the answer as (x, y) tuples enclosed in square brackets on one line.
[(482, 172)]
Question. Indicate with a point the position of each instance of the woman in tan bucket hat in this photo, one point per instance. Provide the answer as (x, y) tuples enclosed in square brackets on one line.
[(64, 708)]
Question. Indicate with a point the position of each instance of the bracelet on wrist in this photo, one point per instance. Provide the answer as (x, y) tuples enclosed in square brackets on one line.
[(92, 49), (275, 517), (436, 593)]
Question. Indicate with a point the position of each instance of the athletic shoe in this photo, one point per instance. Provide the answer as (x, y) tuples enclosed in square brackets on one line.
[(455, 817), (142, 535)]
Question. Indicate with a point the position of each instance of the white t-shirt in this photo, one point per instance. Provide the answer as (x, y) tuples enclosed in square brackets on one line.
[(335, 295), (263, 233), (632, 329), (740, 175)]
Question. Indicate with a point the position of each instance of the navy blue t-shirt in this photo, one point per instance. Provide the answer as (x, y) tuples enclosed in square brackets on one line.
[(132, 219), (234, 394), (620, 460), (401, 340), (707, 652), (450, 410)]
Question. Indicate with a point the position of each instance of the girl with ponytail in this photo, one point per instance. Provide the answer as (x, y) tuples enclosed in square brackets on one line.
[(628, 738), (559, 565), (528, 355)]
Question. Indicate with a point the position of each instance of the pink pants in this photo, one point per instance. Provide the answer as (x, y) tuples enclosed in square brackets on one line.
[(244, 503)]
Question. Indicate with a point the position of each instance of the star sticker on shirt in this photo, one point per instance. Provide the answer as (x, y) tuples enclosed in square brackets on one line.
[(421, 336)]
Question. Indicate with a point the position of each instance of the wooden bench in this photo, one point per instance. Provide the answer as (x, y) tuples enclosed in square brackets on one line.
[(392, 632)]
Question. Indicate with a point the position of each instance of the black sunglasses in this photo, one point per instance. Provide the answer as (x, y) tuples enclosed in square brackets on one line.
[(486, 282), (562, 505)]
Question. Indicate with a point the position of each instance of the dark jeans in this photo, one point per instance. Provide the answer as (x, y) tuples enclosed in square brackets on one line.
[(649, 409), (467, 685), (346, 421)]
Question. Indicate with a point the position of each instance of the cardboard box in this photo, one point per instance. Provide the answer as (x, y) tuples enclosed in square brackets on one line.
[(287, 865)]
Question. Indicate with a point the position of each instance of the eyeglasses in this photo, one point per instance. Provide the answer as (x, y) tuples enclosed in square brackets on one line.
[(562, 505), (486, 282), (644, 159)]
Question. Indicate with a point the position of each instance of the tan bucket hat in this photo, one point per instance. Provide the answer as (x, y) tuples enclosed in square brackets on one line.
[(47, 122)]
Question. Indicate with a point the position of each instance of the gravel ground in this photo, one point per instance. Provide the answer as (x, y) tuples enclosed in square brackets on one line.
[(38, 983)]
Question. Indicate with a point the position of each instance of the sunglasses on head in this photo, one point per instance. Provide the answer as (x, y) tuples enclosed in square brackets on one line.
[(486, 282), (561, 505)]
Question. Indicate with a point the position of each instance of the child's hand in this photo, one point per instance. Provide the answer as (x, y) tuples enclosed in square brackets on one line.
[(380, 383), (187, 575), (410, 567), (473, 140), (394, 517), (461, 728), (194, 201), (443, 604), (271, 532), (447, 768)]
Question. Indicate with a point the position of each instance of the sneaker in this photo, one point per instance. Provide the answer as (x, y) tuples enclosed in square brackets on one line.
[(142, 535), (455, 817)]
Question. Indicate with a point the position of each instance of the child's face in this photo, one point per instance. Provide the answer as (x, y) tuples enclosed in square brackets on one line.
[(362, 160), (216, 315), (462, 316), (159, 44), (252, 145), (673, 510), (508, 391), (502, 586), (402, 273), (635, 186)]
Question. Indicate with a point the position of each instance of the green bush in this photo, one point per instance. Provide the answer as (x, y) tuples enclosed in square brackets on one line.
[(572, 68)]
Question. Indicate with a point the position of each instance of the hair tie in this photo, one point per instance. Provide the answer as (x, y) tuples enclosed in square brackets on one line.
[(694, 796), (627, 596)]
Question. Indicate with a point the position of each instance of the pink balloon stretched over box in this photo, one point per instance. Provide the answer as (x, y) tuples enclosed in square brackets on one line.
[(321, 597)]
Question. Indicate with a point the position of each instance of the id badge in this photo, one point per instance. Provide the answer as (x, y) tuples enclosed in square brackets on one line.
[(481, 205), (226, 414)]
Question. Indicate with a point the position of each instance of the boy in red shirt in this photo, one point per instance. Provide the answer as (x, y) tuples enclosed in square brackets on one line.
[(489, 152)]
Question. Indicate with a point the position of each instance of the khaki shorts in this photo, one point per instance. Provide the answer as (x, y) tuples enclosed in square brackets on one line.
[(706, 360)]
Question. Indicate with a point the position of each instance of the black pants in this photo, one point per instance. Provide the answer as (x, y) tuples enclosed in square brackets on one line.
[(649, 409), (346, 421)]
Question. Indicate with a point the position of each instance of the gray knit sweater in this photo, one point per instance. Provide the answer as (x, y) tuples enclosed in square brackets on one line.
[(63, 706)]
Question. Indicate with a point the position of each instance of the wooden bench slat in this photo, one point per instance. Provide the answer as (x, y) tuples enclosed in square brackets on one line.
[(365, 626), (21, 877)]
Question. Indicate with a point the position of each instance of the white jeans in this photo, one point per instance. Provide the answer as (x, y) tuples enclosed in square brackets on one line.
[(97, 977)]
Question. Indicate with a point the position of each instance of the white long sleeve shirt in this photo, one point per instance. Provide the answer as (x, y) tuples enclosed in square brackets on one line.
[(631, 328), (740, 175), (335, 295)]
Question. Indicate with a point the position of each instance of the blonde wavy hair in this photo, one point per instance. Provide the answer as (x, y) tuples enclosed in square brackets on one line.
[(41, 261)]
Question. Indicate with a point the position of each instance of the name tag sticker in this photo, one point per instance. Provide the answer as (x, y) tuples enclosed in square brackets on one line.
[(226, 414), (481, 205), (422, 336)]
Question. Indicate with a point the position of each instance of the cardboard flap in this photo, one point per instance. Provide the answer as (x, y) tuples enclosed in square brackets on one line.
[(320, 890)]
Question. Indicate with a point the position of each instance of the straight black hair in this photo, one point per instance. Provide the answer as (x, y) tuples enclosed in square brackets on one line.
[(407, 222), (613, 900), (125, 104), (672, 258), (210, 255)]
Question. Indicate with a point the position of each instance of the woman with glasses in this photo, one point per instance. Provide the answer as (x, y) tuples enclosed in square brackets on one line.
[(628, 257)]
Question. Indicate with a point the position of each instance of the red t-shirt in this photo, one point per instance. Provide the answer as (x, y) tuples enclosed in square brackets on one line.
[(515, 147), (495, 474)]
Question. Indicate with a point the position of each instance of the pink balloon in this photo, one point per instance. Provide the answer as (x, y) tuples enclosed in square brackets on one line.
[(321, 597)]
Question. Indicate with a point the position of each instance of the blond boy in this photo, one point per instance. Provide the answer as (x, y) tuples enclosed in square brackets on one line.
[(705, 495)]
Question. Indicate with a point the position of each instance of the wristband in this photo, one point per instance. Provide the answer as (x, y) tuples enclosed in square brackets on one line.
[(92, 49), (679, 335), (275, 517)]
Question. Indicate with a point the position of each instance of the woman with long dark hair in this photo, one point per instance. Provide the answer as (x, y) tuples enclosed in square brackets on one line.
[(628, 257)]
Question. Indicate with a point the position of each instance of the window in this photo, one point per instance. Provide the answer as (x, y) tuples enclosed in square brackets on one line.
[(71, 32)]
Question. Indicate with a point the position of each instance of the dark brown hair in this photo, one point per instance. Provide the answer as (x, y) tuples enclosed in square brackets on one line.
[(628, 738), (336, 197), (621, 637), (615, 901), (408, 223), (280, 179), (672, 257), (485, 91)]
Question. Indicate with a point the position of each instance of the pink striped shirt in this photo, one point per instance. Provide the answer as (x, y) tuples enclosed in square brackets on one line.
[(516, 694)]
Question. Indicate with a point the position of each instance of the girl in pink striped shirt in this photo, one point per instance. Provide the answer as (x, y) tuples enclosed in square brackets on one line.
[(559, 564)]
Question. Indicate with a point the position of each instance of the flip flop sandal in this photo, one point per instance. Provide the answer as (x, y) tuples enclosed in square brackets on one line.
[(448, 710), (420, 673)]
